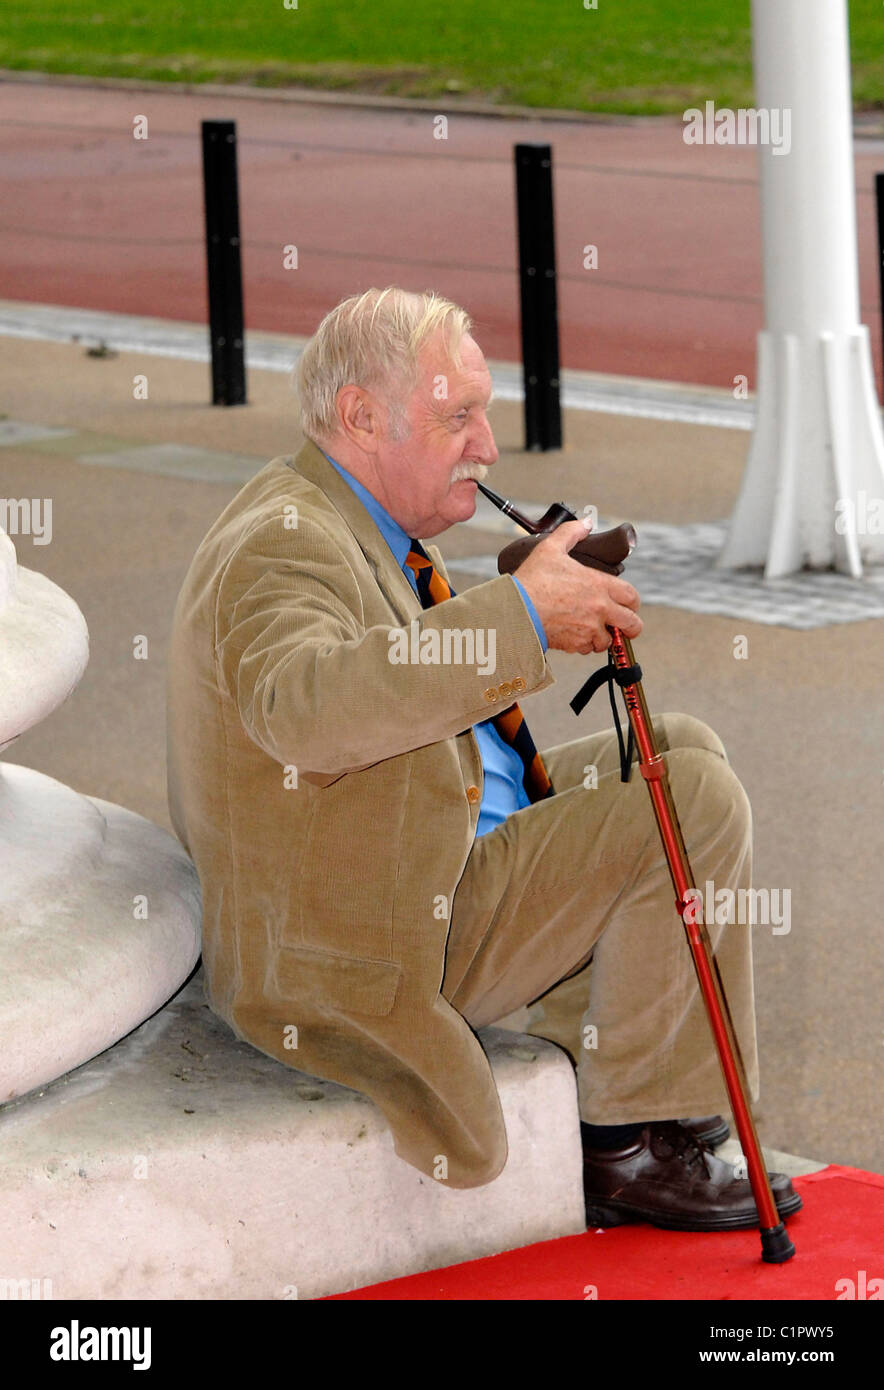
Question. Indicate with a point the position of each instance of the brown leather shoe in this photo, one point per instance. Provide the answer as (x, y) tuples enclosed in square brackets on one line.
[(668, 1178), (711, 1130)]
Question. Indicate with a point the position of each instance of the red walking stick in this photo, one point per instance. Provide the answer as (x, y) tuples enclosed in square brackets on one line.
[(607, 551)]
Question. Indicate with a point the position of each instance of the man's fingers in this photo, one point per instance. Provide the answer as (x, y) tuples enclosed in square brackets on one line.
[(576, 604), (622, 592), (629, 623)]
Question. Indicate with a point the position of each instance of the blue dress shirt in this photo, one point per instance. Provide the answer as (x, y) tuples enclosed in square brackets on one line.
[(503, 791)]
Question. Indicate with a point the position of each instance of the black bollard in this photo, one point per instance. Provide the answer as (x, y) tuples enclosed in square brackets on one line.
[(879, 194), (537, 284), (226, 334)]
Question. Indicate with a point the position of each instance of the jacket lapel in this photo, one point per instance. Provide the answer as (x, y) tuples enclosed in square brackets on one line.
[(312, 464)]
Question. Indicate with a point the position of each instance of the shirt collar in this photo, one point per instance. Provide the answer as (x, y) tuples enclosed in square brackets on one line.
[(398, 540)]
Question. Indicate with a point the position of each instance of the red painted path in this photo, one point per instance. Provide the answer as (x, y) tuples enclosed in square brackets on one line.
[(92, 217)]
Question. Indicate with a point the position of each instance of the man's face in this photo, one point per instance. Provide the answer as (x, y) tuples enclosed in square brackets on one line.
[(428, 476)]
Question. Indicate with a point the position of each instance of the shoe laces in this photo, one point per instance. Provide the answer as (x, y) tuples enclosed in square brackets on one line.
[(677, 1140)]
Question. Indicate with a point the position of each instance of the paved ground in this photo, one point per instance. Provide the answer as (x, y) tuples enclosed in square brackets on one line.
[(94, 218), (801, 716)]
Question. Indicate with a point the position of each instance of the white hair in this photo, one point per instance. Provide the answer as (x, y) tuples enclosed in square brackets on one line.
[(372, 340)]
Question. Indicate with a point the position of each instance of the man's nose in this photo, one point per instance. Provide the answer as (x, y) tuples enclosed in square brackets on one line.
[(486, 449)]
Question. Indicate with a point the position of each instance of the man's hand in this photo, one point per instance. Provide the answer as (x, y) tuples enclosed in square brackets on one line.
[(576, 604)]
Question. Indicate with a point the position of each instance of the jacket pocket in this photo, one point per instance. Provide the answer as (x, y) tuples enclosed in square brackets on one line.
[(346, 984)]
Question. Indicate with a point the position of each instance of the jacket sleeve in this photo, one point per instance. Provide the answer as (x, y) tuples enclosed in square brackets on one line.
[(316, 688)]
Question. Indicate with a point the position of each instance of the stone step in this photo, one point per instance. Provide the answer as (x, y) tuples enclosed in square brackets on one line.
[(183, 1164)]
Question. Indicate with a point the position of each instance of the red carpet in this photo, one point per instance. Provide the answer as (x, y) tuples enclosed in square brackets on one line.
[(838, 1236)]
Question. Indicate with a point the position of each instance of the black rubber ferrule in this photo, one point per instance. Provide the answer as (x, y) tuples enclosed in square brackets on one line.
[(776, 1247)]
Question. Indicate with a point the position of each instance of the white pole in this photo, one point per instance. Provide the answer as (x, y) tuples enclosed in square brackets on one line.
[(813, 491)]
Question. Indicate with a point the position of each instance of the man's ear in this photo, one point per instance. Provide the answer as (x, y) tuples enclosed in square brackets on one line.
[(359, 417)]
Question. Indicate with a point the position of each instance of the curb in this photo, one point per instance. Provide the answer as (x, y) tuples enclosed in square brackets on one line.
[(647, 398), (316, 96), (866, 125)]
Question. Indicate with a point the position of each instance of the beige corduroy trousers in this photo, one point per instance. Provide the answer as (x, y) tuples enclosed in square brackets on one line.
[(583, 875)]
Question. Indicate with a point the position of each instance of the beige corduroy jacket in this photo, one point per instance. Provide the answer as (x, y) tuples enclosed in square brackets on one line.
[(329, 800)]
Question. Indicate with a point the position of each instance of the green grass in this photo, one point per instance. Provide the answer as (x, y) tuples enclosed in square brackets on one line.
[(632, 56)]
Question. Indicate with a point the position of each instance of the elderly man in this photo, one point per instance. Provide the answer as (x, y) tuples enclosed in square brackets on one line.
[(387, 862)]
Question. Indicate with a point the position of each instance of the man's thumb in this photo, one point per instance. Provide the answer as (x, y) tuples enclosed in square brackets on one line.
[(570, 532)]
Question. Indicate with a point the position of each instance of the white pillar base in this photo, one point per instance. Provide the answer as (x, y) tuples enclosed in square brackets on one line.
[(816, 464)]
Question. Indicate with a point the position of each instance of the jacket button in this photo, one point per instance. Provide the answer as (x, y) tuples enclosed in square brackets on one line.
[(472, 794), (505, 690), (518, 685), (491, 694)]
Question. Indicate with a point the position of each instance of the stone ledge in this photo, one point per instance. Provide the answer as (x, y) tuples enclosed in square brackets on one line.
[(182, 1164)]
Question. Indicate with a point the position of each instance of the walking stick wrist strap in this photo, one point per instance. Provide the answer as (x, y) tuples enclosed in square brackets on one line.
[(610, 676)]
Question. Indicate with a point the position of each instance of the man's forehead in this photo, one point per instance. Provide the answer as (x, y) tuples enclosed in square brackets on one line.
[(472, 395), (469, 382)]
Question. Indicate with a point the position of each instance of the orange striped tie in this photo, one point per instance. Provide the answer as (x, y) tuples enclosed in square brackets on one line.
[(510, 723)]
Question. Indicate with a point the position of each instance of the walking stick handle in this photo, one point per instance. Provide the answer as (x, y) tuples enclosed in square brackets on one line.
[(602, 550)]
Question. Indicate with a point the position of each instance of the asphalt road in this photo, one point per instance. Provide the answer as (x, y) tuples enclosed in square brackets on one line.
[(93, 217)]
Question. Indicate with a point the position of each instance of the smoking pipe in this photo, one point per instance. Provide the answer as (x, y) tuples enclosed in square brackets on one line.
[(603, 550)]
